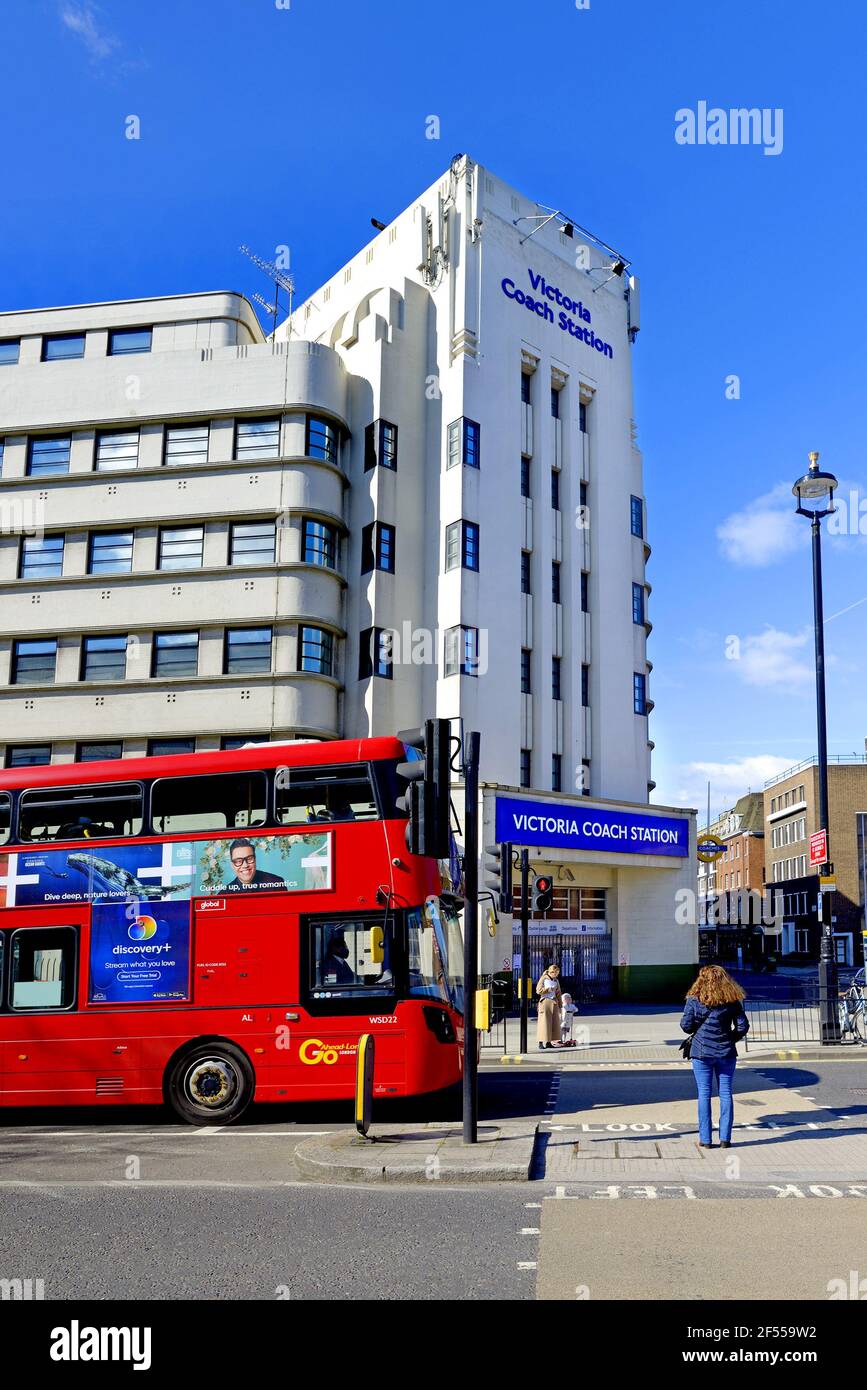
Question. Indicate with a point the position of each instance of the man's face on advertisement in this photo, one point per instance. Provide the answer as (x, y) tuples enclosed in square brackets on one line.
[(244, 864)]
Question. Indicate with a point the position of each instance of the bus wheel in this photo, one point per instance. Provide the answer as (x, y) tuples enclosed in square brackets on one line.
[(210, 1084)]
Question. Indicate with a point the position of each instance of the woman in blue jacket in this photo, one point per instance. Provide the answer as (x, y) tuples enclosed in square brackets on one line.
[(714, 1015)]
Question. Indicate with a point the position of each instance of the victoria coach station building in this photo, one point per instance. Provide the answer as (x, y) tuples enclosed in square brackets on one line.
[(616, 925)]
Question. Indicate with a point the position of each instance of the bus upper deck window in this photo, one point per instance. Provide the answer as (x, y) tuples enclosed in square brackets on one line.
[(103, 812), (220, 801), (312, 795), (5, 816)]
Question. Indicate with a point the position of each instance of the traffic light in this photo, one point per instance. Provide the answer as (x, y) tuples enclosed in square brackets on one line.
[(543, 893), (498, 874), (427, 798)]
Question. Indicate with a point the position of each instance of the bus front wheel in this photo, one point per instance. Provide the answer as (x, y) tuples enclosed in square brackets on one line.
[(210, 1084)]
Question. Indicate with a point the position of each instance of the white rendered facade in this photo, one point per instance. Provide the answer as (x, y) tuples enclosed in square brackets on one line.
[(429, 337)]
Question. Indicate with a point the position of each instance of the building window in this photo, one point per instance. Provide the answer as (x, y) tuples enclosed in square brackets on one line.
[(555, 402), (525, 388), (316, 651), (247, 651), (582, 497), (28, 755), (257, 439), (585, 686), (175, 654), (525, 572), (582, 417), (186, 444), (555, 489), (41, 557), (639, 693), (169, 747), (380, 445), (181, 548), (556, 677), (254, 542), (526, 685), (585, 592), (636, 514), (61, 346), (461, 651), (525, 476), (374, 655), (555, 582), (124, 341), (377, 547), (462, 545), (9, 350), (638, 603), (103, 658), (464, 443), (319, 544), (110, 552), (33, 662), (556, 772), (322, 441), (49, 454), (117, 451), (585, 776), (230, 742), (99, 752), (526, 767)]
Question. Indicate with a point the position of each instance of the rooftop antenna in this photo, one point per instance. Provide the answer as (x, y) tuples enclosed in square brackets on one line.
[(281, 281)]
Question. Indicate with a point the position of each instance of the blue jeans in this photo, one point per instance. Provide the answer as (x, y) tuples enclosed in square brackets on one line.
[(705, 1069)]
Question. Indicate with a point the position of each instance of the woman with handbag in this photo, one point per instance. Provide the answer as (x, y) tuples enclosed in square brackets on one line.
[(715, 1020), (548, 1020)]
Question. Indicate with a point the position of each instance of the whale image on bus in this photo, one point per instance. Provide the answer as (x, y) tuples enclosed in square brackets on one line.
[(209, 929)]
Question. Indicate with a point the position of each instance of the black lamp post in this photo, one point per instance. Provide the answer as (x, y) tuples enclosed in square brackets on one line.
[(817, 488)]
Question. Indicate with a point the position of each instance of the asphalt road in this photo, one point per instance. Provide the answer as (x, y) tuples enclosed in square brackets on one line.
[(130, 1204)]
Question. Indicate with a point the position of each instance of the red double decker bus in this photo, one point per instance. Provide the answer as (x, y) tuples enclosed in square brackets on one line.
[(212, 928)]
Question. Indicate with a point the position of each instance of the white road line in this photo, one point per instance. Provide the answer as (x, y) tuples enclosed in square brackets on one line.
[(529, 1230), (526, 1264), (532, 1206)]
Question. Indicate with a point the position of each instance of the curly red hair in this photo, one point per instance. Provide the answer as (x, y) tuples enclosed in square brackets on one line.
[(715, 986)]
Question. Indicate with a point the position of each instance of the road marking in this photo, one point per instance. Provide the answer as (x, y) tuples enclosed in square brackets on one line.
[(526, 1264), (529, 1230), (532, 1206)]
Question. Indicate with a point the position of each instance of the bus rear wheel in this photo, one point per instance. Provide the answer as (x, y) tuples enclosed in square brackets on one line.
[(210, 1084)]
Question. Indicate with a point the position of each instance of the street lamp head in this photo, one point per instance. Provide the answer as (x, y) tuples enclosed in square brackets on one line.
[(815, 485)]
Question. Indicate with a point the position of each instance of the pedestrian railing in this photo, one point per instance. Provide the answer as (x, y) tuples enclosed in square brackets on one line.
[(778, 1020)]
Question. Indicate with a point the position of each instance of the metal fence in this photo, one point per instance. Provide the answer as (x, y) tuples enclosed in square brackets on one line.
[(778, 1020), (584, 961)]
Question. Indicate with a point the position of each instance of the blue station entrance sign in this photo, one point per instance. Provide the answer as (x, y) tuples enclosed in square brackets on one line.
[(565, 826)]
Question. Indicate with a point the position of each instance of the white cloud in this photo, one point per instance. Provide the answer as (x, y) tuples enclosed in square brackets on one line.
[(774, 658), (686, 784), (765, 531), (82, 20)]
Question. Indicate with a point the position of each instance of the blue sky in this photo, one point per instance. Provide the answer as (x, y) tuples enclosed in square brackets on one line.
[(293, 126)]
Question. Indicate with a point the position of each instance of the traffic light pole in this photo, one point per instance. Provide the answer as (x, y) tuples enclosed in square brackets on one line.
[(525, 944), (471, 938)]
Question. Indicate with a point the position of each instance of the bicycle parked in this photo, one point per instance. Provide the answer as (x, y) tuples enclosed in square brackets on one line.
[(853, 1011)]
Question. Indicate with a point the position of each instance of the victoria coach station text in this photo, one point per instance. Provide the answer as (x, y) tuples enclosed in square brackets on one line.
[(598, 830), (552, 294)]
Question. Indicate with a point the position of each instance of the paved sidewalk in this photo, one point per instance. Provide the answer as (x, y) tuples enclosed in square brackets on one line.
[(420, 1154), (779, 1136), (642, 1033)]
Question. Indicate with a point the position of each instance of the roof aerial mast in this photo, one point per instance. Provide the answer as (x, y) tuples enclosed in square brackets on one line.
[(280, 279)]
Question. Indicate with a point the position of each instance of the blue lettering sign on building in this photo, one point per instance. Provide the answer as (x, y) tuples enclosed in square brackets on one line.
[(573, 316), (561, 826)]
